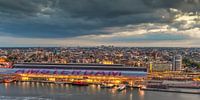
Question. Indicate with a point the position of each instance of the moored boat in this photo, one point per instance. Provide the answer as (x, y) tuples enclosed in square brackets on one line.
[(121, 87), (160, 86), (79, 83), (59, 82), (8, 80), (1, 80)]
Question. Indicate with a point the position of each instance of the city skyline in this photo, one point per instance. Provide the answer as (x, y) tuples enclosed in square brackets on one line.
[(129, 23)]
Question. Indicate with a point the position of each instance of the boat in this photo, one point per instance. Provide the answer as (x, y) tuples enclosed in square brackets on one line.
[(160, 86), (79, 83), (189, 86), (121, 87), (170, 90), (59, 82), (8, 80), (104, 85), (1, 80)]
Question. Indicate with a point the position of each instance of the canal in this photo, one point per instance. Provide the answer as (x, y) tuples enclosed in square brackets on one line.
[(50, 91)]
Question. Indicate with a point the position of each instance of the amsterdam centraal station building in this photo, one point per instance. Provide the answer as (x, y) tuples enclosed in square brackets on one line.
[(67, 73)]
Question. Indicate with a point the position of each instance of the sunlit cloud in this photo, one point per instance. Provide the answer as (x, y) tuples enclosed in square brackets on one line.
[(102, 22)]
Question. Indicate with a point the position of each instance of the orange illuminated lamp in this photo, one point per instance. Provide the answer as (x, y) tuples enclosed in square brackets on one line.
[(25, 78), (2, 60), (117, 81), (52, 79), (108, 62), (5, 62), (196, 79)]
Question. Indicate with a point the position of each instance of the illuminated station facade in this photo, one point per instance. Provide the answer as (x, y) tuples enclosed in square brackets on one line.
[(68, 73)]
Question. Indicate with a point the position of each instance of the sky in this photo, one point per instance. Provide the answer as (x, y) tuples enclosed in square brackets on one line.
[(134, 23)]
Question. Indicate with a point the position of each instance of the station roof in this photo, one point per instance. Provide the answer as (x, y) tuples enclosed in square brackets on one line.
[(79, 66)]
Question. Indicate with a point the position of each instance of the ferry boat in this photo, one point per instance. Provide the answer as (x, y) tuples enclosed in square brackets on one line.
[(79, 83), (191, 86), (121, 87), (160, 86)]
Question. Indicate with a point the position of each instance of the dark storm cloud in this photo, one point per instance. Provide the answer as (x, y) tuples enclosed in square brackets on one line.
[(69, 18)]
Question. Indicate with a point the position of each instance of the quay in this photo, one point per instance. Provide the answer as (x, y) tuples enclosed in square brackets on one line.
[(170, 90)]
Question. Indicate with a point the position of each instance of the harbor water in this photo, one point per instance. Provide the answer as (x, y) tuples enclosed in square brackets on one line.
[(50, 91)]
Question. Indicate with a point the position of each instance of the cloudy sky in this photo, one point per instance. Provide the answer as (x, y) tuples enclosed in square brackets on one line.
[(156, 23)]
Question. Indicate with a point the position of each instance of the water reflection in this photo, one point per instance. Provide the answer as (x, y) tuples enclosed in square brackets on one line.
[(6, 85), (93, 92), (98, 88), (141, 94), (51, 86), (93, 89), (113, 91), (131, 97), (24, 85), (123, 92)]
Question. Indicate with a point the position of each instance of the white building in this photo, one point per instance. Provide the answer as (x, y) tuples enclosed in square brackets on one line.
[(177, 63)]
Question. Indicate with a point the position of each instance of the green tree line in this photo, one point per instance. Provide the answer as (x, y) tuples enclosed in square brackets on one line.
[(190, 63)]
